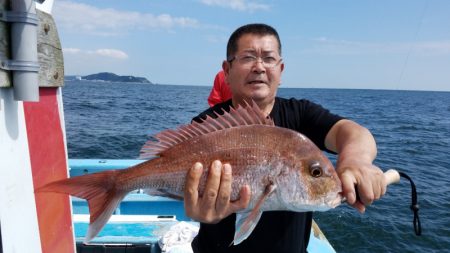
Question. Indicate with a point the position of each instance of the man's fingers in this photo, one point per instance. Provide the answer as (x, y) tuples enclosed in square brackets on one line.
[(359, 206), (382, 184), (366, 193), (362, 185), (348, 187), (223, 198), (191, 187), (212, 186), (373, 188), (215, 203), (243, 201)]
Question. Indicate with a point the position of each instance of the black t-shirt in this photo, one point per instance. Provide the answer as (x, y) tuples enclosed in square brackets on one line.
[(276, 231)]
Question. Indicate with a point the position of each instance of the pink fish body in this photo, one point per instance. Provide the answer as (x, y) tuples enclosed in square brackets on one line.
[(284, 169)]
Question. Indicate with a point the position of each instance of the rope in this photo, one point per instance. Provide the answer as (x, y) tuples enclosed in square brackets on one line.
[(414, 205)]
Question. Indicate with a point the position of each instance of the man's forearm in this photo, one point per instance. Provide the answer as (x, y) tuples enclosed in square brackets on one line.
[(351, 141)]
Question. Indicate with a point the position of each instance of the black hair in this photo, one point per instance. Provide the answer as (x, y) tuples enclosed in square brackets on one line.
[(258, 29)]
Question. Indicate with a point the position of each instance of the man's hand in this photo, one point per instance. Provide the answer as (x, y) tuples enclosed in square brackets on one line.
[(214, 204), (361, 184)]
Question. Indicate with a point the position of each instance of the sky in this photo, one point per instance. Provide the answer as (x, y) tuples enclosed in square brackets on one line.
[(364, 44)]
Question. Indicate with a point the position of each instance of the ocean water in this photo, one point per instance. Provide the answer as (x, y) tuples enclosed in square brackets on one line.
[(412, 129)]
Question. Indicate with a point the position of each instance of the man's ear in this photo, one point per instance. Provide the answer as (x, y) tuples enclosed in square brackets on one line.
[(226, 65), (281, 70)]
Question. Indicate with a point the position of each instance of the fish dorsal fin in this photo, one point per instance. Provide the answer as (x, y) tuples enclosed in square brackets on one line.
[(246, 115)]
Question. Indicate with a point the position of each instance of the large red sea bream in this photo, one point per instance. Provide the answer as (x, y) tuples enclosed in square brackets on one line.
[(284, 169)]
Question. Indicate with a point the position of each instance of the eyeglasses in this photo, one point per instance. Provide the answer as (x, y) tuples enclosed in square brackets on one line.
[(248, 60)]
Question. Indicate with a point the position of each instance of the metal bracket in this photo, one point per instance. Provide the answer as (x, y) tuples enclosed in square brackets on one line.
[(29, 66), (24, 64), (19, 17)]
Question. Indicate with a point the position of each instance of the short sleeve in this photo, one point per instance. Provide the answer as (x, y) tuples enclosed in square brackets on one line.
[(306, 117)]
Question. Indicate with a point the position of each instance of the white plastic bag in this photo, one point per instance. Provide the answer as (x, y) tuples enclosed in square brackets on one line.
[(178, 239)]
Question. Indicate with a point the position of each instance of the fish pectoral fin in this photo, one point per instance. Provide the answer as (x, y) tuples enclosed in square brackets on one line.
[(246, 221)]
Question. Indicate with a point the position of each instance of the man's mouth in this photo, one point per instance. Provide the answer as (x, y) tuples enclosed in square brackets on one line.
[(256, 82)]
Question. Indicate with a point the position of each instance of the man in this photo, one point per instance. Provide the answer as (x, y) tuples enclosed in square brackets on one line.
[(253, 70), (220, 91)]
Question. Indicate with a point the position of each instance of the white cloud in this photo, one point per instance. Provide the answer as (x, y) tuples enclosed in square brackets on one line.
[(103, 52), (331, 46), (112, 53), (71, 50), (84, 18), (240, 5)]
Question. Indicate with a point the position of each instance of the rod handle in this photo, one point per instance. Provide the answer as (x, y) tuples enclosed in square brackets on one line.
[(391, 176)]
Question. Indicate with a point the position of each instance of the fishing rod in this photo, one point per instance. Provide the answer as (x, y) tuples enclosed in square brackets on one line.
[(393, 176)]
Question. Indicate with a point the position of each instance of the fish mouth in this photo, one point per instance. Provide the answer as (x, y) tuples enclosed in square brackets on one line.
[(323, 204), (337, 200)]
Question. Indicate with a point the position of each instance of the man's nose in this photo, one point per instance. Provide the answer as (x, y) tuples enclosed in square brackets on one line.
[(258, 66)]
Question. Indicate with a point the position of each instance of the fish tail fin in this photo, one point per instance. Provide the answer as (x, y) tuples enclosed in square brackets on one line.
[(99, 189)]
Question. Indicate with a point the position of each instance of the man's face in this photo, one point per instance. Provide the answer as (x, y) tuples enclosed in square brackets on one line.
[(255, 79)]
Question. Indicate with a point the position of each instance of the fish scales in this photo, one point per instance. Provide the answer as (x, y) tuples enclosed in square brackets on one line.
[(255, 152), (245, 148)]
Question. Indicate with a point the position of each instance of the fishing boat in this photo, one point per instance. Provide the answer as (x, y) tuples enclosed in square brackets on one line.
[(33, 152)]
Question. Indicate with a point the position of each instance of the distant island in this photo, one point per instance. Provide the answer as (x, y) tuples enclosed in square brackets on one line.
[(108, 77)]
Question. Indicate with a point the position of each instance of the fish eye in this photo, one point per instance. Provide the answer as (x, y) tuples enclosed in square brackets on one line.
[(315, 170)]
